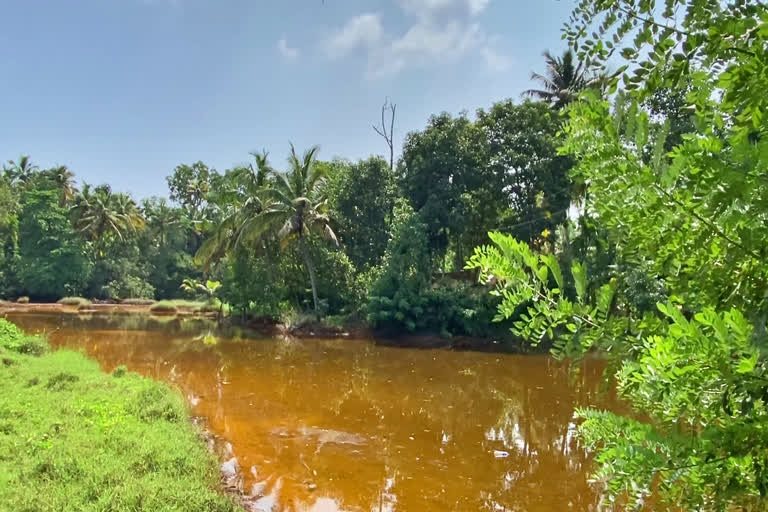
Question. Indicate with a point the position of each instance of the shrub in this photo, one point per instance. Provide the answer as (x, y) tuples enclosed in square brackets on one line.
[(164, 307), (22, 300), (13, 339), (9, 333), (32, 345), (74, 301), (404, 296), (446, 308)]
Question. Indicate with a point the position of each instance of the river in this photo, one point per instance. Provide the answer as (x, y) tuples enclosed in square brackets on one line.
[(328, 425)]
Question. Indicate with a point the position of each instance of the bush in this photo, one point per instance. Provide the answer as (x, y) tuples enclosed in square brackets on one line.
[(335, 278), (13, 339), (404, 296), (74, 301), (446, 308), (164, 307), (22, 300), (9, 334)]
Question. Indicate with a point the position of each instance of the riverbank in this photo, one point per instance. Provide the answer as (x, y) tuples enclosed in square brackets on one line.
[(74, 438), (306, 328)]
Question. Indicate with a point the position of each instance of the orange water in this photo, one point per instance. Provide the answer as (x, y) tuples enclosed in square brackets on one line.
[(327, 425)]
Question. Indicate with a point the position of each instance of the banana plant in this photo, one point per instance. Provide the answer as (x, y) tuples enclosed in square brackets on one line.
[(208, 288)]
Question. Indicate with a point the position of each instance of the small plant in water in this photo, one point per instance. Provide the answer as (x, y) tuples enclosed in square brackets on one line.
[(74, 301)]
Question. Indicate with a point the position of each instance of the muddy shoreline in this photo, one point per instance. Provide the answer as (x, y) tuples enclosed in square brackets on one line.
[(266, 327), (230, 473)]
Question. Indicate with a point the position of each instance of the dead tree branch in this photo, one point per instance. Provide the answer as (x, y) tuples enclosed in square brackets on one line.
[(388, 109)]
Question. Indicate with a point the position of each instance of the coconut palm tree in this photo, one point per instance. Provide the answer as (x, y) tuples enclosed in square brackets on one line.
[(296, 206), (291, 205), (65, 181), (128, 210), (101, 213), (161, 218), (81, 205), (241, 191), (563, 80), (21, 170)]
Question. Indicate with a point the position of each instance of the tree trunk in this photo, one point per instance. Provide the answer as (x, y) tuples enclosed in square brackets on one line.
[(308, 262)]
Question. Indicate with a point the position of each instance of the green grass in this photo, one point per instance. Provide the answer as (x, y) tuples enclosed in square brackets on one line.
[(137, 302), (74, 301), (73, 438), (192, 306)]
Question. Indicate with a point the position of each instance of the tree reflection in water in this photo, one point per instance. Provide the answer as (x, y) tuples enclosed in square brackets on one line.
[(348, 425)]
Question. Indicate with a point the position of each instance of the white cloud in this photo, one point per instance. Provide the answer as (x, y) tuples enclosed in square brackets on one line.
[(441, 30), (477, 6), (434, 41), (361, 31), (495, 61), (429, 9), (285, 50), (424, 43)]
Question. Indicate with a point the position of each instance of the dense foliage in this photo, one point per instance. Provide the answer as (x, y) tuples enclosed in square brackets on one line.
[(670, 277), (366, 240), (628, 213)]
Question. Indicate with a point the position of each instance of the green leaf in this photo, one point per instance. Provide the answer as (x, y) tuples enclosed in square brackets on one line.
[(579, 272), (551, 262), (747, 364)]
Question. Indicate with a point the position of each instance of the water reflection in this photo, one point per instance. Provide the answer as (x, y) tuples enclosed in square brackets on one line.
[(332, 425)]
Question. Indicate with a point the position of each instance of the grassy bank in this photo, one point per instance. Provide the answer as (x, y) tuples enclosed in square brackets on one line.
[(74, 438)]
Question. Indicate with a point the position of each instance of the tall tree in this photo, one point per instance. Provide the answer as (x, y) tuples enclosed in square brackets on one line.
[(189, 186), (362, 196), (52, 259), (236, 196), (563, 80), (522, 152), (161, 218), (65, 181), (292, 206), (20, 170), (388, 132), (101, 213), (441, 165)]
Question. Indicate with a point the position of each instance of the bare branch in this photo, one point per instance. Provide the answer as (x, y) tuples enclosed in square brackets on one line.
[(387, 133)]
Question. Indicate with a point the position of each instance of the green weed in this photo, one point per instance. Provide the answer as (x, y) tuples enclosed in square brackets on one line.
[(74, 301)]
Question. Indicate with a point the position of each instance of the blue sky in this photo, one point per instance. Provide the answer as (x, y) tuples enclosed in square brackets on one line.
[(122, 91)]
